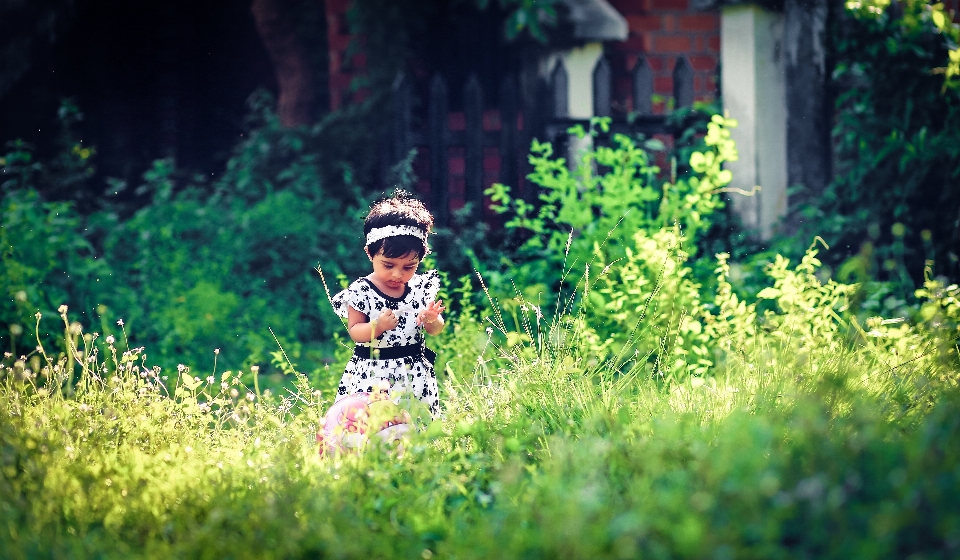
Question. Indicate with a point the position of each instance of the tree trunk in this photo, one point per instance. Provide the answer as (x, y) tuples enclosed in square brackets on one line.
[(275, 23), (809, 103)]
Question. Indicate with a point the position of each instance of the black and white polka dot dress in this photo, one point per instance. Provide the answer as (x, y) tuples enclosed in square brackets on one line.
[(409, 374)]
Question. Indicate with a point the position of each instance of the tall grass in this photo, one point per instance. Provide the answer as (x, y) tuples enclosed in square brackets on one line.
[(811, 435)]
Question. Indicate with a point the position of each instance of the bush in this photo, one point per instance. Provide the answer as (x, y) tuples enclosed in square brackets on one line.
[(893, 203), (190, 264), (797, 445)]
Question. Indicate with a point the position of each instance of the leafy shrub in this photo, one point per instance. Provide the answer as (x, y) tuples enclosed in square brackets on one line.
[(893, 203), (541, 452), (47, 258)]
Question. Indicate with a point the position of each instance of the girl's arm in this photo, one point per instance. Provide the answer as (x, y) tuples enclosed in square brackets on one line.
[(359, 326), (435, 327), (431, 319)]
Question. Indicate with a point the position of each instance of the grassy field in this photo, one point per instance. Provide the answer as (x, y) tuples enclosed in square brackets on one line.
[(811, 435)]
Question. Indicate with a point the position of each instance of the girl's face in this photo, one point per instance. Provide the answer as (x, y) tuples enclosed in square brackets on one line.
[(396, 272)]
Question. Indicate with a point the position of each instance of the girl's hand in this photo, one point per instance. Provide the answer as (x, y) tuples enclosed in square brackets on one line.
[(386, 321), (431, 314)]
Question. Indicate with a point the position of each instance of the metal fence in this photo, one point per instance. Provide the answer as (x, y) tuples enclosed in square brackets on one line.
[(509, 128)]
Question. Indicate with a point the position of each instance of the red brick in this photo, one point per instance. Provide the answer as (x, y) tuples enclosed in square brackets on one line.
[(456, 165), (713, 43), (636, 43), (699, 22), (457, 121), (663, 85), (671, 43), (491, 163), (702, 63), (669, 22), (627, 7), (491, 119), (678, 5), (638, 24), (457, 186), (656, 64)]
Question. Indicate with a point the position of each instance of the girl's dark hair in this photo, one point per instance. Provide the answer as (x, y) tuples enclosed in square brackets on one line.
[(401, 209)]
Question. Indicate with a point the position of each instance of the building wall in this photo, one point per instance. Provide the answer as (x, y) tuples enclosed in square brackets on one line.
[(661, 31)]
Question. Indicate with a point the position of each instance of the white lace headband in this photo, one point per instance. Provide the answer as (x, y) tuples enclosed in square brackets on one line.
[(376, 234)]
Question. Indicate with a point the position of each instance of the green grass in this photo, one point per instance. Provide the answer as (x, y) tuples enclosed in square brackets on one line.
[(810, 437)]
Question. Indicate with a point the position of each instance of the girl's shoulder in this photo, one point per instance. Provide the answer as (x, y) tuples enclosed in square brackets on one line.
[(355, 295), (360, 285)]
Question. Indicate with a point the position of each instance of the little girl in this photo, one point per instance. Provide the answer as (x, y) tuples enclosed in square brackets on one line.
[(388, 310)]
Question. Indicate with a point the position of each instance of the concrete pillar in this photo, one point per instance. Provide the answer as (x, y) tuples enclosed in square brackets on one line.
[(753, 89)]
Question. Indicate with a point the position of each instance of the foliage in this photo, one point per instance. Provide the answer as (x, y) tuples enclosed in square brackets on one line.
[(632, 232), (199, 264), (542, 451), (46, 257), (894, 201)]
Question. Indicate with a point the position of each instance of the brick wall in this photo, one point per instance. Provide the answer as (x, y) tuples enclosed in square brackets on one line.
[(662, 31)]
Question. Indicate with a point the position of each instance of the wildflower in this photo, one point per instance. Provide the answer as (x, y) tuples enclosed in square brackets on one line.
[(111, 340), (251, 396), (210, 380), (15, 330), (62, 309), (120, 322), (181, 368), (188, 449), (216, 351), (234, 393), (22, 295), (489, 331), (224, 385), (7, 355)]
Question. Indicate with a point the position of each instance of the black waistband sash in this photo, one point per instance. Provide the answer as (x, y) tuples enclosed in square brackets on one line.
[(414, 351)]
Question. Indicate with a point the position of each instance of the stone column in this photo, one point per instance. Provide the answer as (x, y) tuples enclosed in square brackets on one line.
[(753, 89)]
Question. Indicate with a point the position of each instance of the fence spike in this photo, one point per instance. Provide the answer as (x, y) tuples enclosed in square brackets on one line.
[(602, 78), (439, 185), (508, 131), (402, 118), (682, 83), (473, 143), (559, 82), (642, 77)]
